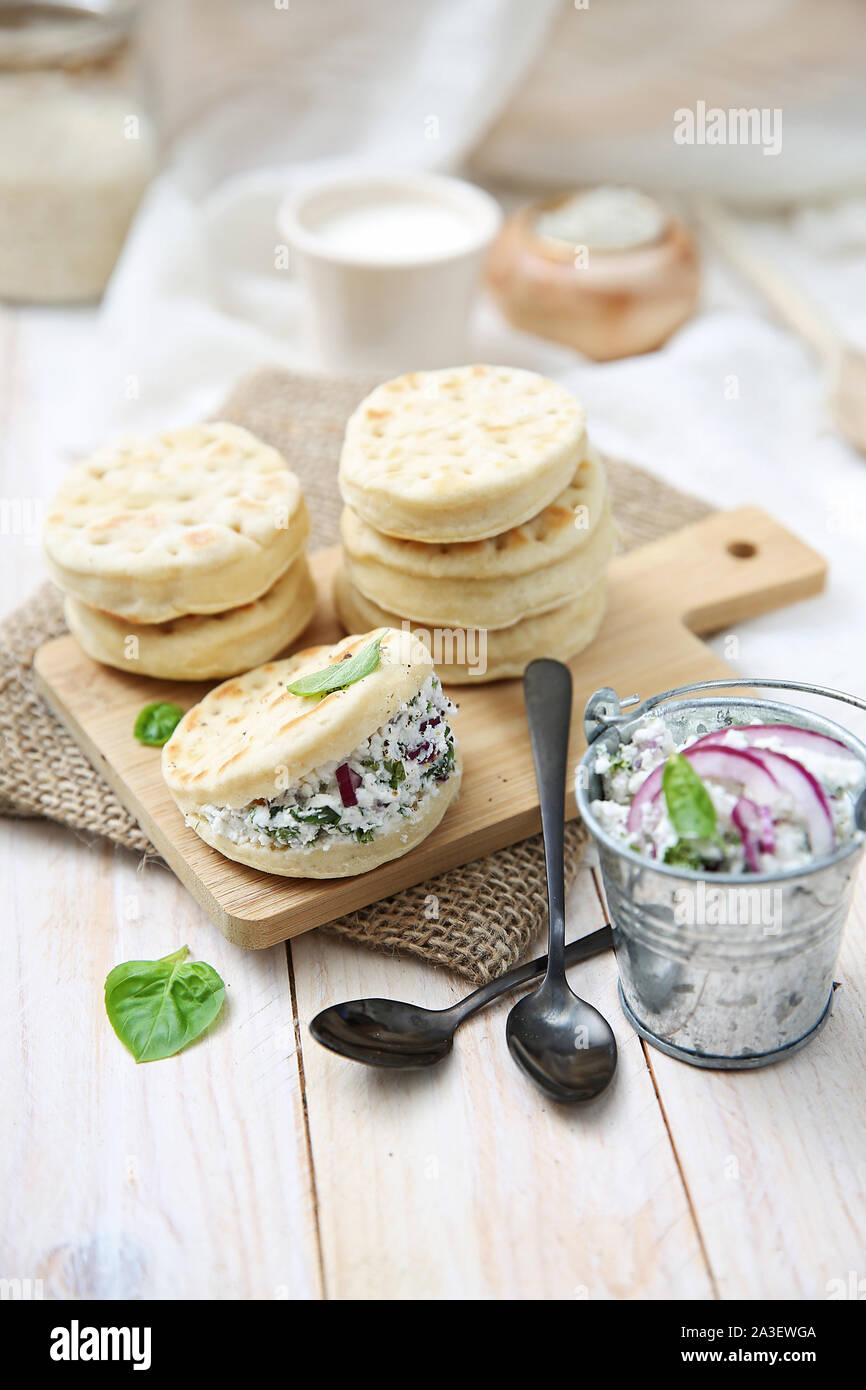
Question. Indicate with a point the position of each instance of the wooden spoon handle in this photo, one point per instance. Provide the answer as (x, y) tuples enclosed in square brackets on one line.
[(795, 309)]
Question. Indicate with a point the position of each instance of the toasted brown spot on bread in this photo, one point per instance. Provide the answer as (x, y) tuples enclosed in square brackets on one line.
[(557, 517), (513, 540), (233, 759), (465, 547), (201, 535)]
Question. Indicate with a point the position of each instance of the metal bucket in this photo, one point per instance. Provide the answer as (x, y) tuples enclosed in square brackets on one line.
[(721, 970)]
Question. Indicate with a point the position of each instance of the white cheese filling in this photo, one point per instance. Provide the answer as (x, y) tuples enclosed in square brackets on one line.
[(624, 773), (406, 760)]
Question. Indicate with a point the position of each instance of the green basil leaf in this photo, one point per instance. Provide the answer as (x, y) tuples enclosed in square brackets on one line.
[(690, 806), (396, 773), (340, 673), (283, 834), (156, 723), (156, 1007), (318, 815), (444, 766), (684, 854)]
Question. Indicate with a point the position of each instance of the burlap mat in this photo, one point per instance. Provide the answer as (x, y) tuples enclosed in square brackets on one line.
[(476, 920)]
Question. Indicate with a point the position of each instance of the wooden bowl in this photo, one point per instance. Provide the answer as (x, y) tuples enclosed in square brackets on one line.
[(607, 303)]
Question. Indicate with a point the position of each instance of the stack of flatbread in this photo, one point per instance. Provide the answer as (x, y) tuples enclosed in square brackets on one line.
[(477, 515), (182, 555)]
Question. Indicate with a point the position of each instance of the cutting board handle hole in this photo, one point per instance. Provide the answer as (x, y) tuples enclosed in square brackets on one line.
[(742, 550)]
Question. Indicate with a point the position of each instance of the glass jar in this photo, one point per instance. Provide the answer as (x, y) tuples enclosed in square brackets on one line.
[(76, 147)]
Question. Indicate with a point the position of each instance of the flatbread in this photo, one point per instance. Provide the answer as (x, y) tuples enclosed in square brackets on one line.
[(251, 737), (473, 656), (555, 533), (460, 454), (339, 856), (201, 646), (491, 603), (194, 520)]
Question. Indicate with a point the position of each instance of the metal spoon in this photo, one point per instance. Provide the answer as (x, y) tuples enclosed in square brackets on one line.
[(562, 1043), (388, 1033)]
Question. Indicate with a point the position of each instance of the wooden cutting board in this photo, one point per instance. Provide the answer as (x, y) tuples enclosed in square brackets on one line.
[(704, 578)]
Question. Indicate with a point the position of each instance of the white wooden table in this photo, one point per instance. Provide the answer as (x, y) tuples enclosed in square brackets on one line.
[(256, 1165)]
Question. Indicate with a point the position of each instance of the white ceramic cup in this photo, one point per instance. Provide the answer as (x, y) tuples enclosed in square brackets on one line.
[(390, 262)]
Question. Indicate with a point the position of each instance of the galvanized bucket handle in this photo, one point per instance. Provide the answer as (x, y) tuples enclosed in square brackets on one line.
[(605, 710)]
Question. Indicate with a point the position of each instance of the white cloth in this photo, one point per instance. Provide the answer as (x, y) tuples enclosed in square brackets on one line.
[(196, 299), (732, 408), (599, 105)]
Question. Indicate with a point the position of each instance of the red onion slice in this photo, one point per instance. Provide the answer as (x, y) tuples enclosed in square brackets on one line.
[(711, 760), (809, 796), (424, 747), (643, 798), (768, 830), (748, 819), (348, 781), (789, 735)]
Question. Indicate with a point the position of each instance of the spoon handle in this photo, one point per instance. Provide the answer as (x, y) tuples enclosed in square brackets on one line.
[(547, 688), (802, 315), (593, 944)]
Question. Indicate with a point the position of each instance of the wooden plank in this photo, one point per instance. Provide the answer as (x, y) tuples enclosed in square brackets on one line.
[(775, 1159), (718, 571), (465, 1182), (186, 1178)]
